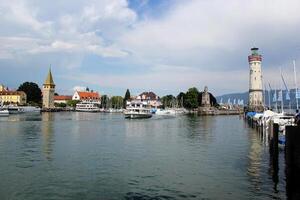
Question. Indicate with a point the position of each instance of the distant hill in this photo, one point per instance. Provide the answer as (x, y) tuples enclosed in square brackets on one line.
[(244, 96), (241, 96)]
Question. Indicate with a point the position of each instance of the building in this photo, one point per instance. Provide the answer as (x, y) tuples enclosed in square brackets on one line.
[(205, 101), (48, 91), (13, 97), (255, 81), (62, 99), (87, 96), (151, 98)]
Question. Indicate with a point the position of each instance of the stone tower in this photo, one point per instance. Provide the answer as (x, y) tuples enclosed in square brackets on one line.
[(48, 91), (255, 81), (205, 98)]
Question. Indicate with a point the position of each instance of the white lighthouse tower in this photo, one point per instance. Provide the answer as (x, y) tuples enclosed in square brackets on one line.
[(255, 82)]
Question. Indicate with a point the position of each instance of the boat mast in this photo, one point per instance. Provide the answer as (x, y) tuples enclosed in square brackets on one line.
[(276, 103), (296, 88), (269, 94), (281, 93)]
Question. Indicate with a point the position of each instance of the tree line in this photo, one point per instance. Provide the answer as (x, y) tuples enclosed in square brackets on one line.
[(191, 99)]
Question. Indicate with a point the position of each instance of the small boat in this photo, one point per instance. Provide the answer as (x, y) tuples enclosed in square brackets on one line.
[(15, 110), (137, 110), (31, 109), (4, 112), (88, 107), (12, 109), (165, 112)]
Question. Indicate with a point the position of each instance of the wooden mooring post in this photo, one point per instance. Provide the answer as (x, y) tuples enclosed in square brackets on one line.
[(292, 160), (274, 152)]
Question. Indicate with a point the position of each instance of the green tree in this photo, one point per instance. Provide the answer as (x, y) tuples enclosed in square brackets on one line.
[(126, 98), (60, 105), (33, 92), (168, 101), (117, 102), (191, 98), (72, 103), (180, 99), (104, 101)]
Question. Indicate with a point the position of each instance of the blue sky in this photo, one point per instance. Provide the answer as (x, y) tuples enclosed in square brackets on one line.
[(165, 46)]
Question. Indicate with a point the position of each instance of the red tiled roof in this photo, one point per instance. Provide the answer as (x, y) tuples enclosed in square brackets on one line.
[(89, 95), (149, 96), (62, 97)]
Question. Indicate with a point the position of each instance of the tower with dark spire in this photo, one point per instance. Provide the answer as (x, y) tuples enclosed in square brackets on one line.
[(48, 91)]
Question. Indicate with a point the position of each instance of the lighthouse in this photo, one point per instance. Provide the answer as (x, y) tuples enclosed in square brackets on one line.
[(255, 81)]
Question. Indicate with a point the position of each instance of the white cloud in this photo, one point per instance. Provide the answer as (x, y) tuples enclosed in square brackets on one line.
[(79, 88), (194, 43), (84, 31)]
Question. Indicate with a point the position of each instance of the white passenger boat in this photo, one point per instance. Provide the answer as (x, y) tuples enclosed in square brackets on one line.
[(165, 112), (12, 109), (4, 112), (137, 110), (31, 109), (88, 107)]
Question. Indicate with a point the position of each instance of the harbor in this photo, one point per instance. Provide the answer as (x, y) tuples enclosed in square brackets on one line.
[(100, 155), (149, 100)]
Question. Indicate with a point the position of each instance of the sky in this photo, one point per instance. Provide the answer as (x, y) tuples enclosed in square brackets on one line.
[(165, 46)]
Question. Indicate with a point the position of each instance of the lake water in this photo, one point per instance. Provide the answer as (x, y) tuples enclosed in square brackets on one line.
[(104, 156)]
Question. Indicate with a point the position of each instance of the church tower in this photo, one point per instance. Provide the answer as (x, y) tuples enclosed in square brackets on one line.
[(255, 81), (48, 91)]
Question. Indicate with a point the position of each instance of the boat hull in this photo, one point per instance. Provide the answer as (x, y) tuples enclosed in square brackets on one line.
[(137, 116), (84, 110), (4, 113)]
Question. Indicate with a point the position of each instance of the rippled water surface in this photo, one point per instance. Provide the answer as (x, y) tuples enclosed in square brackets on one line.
[(104, 156)]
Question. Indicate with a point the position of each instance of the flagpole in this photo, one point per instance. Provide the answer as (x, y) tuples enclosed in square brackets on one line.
[(295, 78)]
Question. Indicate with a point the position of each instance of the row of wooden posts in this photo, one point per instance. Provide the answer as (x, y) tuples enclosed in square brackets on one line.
[(292, 155)]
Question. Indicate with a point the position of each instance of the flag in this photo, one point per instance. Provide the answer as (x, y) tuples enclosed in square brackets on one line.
[(274, 97), (279, 96), (221, 101), (229, 101), (242, 102), (234, 101)]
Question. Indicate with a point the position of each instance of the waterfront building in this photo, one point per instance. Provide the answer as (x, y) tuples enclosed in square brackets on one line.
[(87, 96), (151, 98), (205, 98), (255, 81), (48, 91), (62, 98), (13, 97)]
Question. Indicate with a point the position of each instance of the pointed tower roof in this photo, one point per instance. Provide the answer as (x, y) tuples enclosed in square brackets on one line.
[(49, 79)]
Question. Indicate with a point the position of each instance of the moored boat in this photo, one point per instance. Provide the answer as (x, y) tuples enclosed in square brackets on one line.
[(137, 110), (4, 112), (88, 107), (12, 109)]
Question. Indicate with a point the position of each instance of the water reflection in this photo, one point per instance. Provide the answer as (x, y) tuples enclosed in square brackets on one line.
[(48, 135), (255, 158)]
